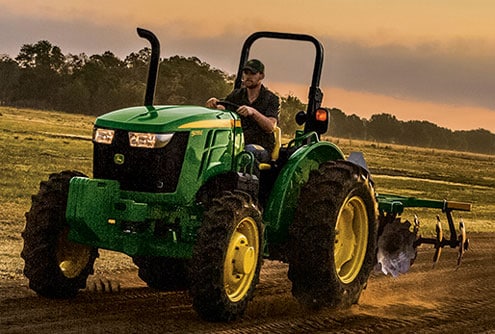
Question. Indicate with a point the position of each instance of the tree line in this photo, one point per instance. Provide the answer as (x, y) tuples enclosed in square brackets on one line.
[(387, 128), (42, 77)]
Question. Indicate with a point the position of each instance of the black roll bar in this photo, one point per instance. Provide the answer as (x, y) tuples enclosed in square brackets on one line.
[(315, 96)]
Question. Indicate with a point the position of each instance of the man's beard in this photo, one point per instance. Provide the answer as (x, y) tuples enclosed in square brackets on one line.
[(251, 84)]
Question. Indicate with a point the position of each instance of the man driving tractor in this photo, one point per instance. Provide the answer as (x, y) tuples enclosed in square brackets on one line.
[(258, 108)]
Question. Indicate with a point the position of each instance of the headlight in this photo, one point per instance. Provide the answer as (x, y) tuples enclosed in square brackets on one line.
[(149, 140), (103, 136)]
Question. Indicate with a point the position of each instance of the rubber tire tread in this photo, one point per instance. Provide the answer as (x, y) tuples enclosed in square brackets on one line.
[(315, 282), (210, 299), (45, 222)]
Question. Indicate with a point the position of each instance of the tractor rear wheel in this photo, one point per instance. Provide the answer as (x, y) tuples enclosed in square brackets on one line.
[(163, 273), (227, 257), (55, 266), (333, 238)]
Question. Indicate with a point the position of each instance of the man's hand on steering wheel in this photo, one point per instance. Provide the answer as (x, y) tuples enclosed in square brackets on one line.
[(244, 110), (227, 105)]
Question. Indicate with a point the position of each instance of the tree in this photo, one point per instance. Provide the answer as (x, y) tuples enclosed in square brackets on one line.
[(40, 66), (104, 80), (345, 126), (480, 140), (337, 119), (9, 72), (138, 59), (190, 81), (384, 127), (357, 127), (41, 55), (289, 107), (74, 63)]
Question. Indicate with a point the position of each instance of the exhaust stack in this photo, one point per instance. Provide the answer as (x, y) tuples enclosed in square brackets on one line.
[(154, 63)]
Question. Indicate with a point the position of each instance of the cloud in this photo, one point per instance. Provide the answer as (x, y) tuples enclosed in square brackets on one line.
[(75, 36), (456, 72), (451, 73)]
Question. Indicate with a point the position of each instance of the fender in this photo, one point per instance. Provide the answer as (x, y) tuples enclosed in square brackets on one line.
[(282, 203)]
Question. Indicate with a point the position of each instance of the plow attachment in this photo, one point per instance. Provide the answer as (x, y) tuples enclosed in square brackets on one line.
[(398, 240)]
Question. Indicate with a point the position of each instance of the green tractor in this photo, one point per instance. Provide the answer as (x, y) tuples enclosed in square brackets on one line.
[(174, 189)]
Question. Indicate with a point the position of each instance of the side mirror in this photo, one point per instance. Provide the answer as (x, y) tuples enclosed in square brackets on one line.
[(301, 118)]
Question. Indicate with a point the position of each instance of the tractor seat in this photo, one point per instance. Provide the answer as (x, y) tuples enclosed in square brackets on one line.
[(276, 150)]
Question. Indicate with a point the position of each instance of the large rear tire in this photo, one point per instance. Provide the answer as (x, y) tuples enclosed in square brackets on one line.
[(163, 273), (227, 257), (55, 266), (333, 237)]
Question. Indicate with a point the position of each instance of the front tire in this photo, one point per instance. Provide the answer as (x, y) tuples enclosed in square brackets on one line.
[(55, 266), (333, 237), (227, 257)]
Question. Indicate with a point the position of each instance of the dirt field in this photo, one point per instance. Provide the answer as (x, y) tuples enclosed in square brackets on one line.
[(426, 300)]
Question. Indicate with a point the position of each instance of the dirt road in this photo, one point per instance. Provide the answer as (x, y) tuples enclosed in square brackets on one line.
[(426, 300)]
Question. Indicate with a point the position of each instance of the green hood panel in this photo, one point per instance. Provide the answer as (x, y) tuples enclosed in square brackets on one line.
[(162, 119)]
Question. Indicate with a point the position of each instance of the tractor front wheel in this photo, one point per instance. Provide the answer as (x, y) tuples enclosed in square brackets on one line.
[(55, 266), (227, 257), (333, 237)]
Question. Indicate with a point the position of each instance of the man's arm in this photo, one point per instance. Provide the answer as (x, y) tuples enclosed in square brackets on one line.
[(268, 124), (213, 104)]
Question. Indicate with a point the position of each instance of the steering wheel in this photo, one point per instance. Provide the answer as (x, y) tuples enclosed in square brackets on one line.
[(228, 105)]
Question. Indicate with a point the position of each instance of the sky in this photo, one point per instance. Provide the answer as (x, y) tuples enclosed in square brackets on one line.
[(417, 60)]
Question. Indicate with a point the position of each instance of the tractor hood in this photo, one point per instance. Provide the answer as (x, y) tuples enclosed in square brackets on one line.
[(162, 119)]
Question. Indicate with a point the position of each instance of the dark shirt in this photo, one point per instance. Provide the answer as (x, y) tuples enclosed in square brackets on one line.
[(268, 104)]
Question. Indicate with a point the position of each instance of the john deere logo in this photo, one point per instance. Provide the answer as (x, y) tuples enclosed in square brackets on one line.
[(118, 159)]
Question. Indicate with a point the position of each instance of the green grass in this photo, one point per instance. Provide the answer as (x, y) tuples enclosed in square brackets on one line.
[(30, 151), (35, 143)]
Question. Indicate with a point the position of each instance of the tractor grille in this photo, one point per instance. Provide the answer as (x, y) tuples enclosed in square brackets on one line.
[(141, 169)]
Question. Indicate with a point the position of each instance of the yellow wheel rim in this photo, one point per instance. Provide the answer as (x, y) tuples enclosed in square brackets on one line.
[(241, 259), (72, 258), (351, 239)]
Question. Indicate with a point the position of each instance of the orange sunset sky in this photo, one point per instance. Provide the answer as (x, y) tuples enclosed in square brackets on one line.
[(417, 60)]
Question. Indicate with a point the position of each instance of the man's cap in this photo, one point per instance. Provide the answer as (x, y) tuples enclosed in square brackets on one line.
[(255, 66)]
